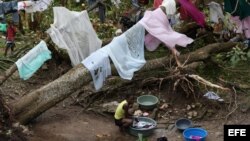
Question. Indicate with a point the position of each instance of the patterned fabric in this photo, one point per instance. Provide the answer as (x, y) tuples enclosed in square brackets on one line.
[(99, 66), (127, 51)]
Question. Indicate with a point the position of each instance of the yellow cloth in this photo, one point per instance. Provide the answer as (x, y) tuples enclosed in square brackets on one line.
[(119, 112)]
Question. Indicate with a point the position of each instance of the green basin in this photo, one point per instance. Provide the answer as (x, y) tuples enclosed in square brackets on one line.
[(145, 132), (147, 102)]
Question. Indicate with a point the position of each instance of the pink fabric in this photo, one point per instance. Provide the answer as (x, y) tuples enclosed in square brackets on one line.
[(241, 25), (188, 8), (246, 26), (156, 23), (237, 24), (157, 3)]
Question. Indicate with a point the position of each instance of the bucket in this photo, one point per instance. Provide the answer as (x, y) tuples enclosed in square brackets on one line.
[(195, 134)]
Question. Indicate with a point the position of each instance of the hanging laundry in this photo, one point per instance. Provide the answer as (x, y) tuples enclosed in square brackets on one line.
[(188, 9), (74, 33), (9, 8), (170, 7), (99, 66), (246, 26), (38, 6), (157, 3), (170, 10), (33, 60), (215, 12), (3, 27), (241, 26), (239, 8), (157, 24), (127, 51), (22, 5), (237, 24)]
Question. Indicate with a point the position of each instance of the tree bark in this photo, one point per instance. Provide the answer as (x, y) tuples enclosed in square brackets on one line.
[(35, 103)]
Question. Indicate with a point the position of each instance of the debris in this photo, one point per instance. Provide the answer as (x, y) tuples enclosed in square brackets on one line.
[(138, 113), (213, 96), (164, 106), (145, 114), (189, 107), (193, 106), (195, 113)]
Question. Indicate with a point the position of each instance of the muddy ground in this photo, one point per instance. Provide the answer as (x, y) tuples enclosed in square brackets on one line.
[(69, 122)]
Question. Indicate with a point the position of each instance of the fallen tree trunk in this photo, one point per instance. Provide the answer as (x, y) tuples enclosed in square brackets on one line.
[(35, 103)]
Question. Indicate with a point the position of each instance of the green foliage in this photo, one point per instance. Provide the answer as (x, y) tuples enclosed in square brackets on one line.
[(237, 54)]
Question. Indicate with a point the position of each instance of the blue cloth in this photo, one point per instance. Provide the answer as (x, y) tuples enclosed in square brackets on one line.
[(33, 60), (9, 8)]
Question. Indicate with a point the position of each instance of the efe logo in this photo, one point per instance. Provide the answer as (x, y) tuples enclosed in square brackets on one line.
[(237, 132)]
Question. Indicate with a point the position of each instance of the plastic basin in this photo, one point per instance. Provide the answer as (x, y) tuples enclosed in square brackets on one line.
[(144, 131), (183, 124), (147, 102), (195, 134)]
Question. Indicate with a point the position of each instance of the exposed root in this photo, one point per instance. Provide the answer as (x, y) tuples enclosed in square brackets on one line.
[(206, 82)]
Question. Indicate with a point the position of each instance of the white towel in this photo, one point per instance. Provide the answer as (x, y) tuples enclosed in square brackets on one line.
[(99, 66), (127, 51), (33, 60)]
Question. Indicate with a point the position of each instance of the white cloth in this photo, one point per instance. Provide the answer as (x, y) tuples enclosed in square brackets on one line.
[(170, 6), (213, 96), (127, 51), (99, 66), (74, 32), (215, 11), (38, 6), (22, 5), (33, 60)]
